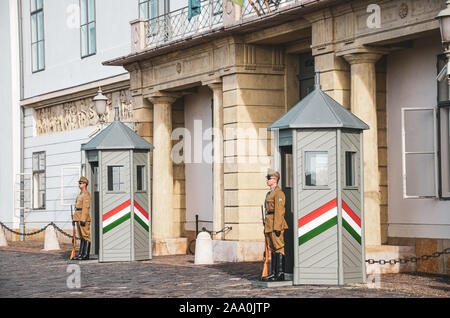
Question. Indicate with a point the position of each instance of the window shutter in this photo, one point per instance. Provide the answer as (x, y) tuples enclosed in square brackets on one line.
[(419, 153)]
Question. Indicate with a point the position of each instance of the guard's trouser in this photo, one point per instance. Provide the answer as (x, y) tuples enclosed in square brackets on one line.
[(276, 243), (84, 232)]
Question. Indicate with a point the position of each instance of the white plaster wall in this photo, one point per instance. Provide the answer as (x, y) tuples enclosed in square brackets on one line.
[(411, 82), (64, 66), (10, 109), (198, 167), (62, 151)]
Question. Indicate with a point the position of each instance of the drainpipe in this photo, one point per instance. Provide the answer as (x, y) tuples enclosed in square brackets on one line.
[(22, 122)]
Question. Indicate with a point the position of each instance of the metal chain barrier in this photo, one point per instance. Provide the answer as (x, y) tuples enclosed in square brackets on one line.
[(39, 231), (406, 260), (228, 228)]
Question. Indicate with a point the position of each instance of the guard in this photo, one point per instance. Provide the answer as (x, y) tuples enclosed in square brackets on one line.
[(274, 226), (83, 219)]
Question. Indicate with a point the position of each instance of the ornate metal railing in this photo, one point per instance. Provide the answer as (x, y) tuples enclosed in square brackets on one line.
[(175, 25), (261, 7)]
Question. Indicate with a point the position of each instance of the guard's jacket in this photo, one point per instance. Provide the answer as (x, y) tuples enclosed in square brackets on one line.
[(275, 209), (82, 207)]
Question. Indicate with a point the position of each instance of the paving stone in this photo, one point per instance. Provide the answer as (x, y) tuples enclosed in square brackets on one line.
[(36, 274)]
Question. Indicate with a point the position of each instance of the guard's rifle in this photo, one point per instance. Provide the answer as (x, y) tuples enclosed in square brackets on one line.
[(265, 271), (74, 238)]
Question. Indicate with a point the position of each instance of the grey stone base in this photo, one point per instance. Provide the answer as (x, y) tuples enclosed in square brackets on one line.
[(283, 283), (93, 259)]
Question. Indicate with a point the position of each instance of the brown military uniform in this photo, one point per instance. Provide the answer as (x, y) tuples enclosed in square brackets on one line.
[(274, 220), (82, 215)]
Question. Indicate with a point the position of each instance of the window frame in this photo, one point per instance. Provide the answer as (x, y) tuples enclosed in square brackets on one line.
[(36, 12), (405, 153), (40, 173), (87, 24), (120, 190), (316, 187), (354, 170), (143, 178), (148, 9)]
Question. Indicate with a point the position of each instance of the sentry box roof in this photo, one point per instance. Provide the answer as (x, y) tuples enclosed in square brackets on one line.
[(117, 136), (318, 110)]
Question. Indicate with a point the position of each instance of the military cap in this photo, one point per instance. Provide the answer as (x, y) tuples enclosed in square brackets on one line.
[(84, 180), (271, 172)]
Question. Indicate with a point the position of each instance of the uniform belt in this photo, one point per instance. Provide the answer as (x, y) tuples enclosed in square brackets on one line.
[(269, 212), (78, 209)]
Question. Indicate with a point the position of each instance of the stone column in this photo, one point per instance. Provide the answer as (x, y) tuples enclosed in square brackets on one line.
[(218, 203), (162, 225), (363, 105)]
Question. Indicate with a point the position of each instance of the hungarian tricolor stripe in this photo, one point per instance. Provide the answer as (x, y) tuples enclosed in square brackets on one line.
[(351, 222), (116, 216), (317, 222), (141, 216), (324, 218)]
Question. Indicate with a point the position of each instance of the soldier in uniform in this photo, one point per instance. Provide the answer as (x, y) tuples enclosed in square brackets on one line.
[(274, 227), (83, 219)]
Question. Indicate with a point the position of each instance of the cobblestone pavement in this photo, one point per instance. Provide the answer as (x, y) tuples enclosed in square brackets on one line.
[(27, 272)]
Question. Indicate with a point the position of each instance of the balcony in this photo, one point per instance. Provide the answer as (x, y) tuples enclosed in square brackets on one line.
[(175, 26)]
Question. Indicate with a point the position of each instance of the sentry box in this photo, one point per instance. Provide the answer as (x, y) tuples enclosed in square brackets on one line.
[(117, 160), (318, 150)]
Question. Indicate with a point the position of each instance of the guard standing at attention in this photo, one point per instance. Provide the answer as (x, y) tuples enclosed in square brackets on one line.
[(82, 218), (274, 227)]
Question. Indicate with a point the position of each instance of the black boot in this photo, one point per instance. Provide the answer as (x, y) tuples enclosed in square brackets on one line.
[(86, 251), (80, 251), (281, 267), (273, 266)]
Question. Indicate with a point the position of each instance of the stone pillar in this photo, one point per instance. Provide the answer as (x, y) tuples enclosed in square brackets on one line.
[(162, 196), (218, 203), (363, 105)]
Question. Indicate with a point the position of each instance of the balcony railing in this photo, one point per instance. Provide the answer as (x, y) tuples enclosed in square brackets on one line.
[(263, 7), (176, 26)]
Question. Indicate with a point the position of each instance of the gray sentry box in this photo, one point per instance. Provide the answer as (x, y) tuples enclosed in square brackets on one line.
[(318, 149), (118, 162)]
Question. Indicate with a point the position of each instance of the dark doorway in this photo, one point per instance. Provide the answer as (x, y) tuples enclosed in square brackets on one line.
[(287, 180)]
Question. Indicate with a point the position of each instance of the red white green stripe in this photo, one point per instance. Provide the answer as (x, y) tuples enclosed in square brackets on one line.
[(141, 216), (116, 216), (351, 222), (324, 218), (317, 222)]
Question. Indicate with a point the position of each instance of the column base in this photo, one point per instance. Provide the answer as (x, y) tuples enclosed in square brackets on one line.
[(236, 251), (174, 246)]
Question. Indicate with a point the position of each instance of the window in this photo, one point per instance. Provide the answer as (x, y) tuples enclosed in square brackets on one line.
[(350, 169), (443, 132), (148, 9), (306, 74), (38, 180), (140, 178), (288, 170), (419, 152), (116, 178), (316, 168), (37, 35), (87, 27)]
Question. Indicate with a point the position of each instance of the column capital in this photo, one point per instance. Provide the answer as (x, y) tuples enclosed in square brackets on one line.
[(214, 84), (163, 98), (362, 55)]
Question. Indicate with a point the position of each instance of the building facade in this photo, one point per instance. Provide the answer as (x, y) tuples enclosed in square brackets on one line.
[(204, 88)]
